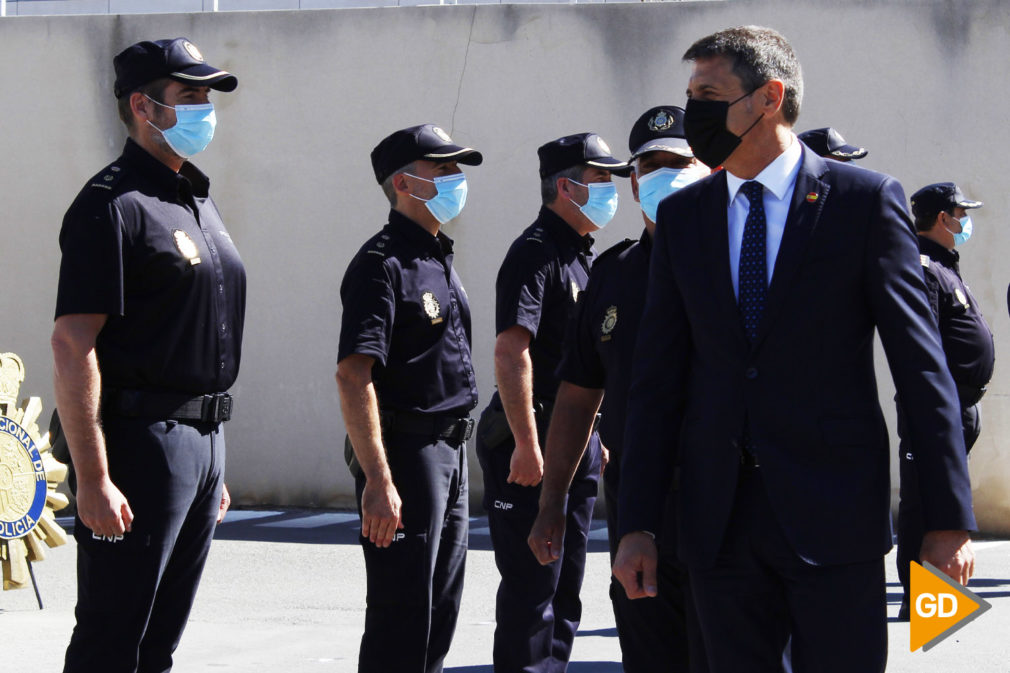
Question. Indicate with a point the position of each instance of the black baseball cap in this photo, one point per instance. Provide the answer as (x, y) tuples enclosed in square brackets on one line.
[(178, 59), (827, 142), (581, 148), (661, 129), (426, 141), (931, 199)]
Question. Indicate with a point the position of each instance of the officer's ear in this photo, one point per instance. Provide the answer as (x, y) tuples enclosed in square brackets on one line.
[(140, 106), (634, 183), (400, 183), (564, 186)]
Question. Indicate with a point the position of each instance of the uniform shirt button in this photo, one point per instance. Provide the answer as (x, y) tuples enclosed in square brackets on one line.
[(751, 373)]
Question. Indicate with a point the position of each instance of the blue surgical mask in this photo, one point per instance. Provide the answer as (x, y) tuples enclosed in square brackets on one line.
[(965, 233), (450, 199), (602, 202), (655, 186), (193, 130)]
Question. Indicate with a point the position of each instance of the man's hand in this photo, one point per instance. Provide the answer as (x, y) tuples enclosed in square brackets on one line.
[(951, 552), (103, 508), (604, 458), (225, 503), (526, 467), (380, 511), (635, 565), (548, 534)]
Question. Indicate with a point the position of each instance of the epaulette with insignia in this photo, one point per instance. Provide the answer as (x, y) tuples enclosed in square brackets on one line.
[(107, 178), (536, 235), (378, 245), (924, 260)]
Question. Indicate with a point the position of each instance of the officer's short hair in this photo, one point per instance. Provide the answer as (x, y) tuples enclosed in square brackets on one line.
[(925, 221), (549, 185), (387, 184), (154, 89), (756, 55)]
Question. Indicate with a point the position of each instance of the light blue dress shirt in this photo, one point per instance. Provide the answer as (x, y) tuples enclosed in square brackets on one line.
[(779, 181)]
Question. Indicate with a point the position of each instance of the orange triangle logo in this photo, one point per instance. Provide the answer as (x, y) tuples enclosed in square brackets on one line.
[(940, 606)]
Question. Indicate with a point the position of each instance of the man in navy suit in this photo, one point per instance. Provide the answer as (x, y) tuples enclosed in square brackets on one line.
[(753, 384)]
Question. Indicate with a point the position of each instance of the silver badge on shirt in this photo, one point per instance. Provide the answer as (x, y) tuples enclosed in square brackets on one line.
[(187, 248)]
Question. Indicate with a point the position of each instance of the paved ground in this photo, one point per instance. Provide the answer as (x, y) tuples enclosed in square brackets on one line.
[(284, 591)]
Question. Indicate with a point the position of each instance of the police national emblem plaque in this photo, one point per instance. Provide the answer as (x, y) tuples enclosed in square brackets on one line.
[(29, 476)]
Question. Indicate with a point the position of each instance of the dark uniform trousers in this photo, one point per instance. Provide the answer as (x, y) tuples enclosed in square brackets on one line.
[(134, 594), (910, 525), (654, 632), (415, 584), (538, 606)]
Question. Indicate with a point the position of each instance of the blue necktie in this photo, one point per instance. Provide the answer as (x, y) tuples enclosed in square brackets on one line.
[(753, 276)]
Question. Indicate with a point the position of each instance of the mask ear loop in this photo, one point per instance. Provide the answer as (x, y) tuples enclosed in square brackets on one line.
[(578, 205), (756, 120)]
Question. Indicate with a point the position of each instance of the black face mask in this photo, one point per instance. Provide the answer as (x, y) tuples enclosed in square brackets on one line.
[(705, 128)]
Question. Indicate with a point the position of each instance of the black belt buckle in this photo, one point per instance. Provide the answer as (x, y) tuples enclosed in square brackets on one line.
[(217, 407)]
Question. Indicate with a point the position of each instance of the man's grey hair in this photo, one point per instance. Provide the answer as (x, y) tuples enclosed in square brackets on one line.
[(387, 184), (756, 55), (549, 185)]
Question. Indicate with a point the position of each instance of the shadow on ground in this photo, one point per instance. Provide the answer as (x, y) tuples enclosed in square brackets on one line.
[(327, 527), (574, 667)]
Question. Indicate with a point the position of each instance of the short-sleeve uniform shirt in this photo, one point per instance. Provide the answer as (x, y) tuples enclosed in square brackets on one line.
[(146, 246), (600, 341), (404, 305), (967, 339), (538, 284)]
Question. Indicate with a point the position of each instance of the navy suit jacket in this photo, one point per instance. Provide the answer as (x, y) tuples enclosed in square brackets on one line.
[(806, 390)]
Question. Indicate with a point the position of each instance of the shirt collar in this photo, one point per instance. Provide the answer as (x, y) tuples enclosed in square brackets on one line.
[(777, 177), (418, 235), (563, 233), (935, 251), (189, 181)]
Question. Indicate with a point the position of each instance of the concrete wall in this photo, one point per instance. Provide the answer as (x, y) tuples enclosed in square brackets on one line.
[(913, 81)]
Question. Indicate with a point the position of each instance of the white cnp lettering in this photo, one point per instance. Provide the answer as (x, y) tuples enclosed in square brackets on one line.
[(942, 605), (398, 536), (504, 506), (107, 538)]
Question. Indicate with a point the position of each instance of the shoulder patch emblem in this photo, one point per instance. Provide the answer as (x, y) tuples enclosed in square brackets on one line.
[(961, 297), (187, 248), (431, 307), (609, 322), (924, 260)]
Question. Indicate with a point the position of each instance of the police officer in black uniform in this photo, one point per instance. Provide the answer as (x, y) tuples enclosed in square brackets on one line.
[(942, 221), (595, 374), (407, 386), (147, 341), (545, 269), (829, 143)]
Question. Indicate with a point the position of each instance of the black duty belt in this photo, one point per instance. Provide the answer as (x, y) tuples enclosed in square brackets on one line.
[(427, 425), (213, 408)]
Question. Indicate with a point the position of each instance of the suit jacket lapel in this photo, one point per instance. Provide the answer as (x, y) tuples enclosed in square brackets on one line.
[(715, 248), (805, 209)]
